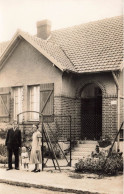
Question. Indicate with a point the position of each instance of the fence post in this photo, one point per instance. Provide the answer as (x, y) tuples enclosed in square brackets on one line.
[(42, 146), (70, 143)]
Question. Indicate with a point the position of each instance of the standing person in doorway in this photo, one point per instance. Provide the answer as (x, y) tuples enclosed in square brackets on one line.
[(35, 157), (13, 143)]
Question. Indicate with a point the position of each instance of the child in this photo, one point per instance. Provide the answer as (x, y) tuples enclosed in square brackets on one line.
[(25, 158)]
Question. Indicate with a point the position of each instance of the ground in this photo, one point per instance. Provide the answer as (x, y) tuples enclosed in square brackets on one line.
[(5, 189), (66, 180)]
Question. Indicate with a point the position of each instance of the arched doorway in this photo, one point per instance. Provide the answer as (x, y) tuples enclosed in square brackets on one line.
[(91, 112)]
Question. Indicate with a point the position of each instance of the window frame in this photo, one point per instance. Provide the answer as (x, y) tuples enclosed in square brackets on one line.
[(19, 103), (36, 107)]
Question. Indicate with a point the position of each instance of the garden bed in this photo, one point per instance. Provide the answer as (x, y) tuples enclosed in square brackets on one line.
[(101, 165)]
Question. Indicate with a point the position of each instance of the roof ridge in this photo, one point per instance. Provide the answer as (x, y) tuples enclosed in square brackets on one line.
[(87, 23), (40, 39), (56, 55), (45, 42), (83, 48)]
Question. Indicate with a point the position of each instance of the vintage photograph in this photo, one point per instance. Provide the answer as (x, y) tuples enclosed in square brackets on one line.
[(61, 96)]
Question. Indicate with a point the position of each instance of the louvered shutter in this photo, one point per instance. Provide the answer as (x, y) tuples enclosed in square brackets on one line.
[(4, 104), (47, 99)]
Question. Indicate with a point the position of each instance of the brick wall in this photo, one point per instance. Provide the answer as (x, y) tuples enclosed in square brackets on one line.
[(109, 116), (70, 106)]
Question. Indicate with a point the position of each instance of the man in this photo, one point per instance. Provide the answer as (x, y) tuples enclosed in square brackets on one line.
[(13, 143)]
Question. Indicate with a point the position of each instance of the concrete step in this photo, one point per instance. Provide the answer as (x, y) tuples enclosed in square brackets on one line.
[(83, 148), (88, 142), (84, 151), (81, 153), (87, 145), (80, 157)]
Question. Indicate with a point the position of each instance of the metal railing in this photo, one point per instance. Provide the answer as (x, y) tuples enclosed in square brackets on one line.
[(110, 150), (56, 131), (56, 134)]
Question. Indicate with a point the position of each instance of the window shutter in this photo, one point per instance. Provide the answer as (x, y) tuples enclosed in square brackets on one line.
[(47, 99), (4, 104)]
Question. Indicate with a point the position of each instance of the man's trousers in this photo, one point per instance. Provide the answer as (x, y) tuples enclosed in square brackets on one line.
[(12, 151)]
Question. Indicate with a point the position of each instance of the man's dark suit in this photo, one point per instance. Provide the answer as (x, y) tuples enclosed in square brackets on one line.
[(13, 142)]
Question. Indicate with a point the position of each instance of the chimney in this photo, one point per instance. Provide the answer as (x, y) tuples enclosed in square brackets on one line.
[(43, 29)]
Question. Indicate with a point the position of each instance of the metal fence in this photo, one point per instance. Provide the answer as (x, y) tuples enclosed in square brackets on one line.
[(56, 137)]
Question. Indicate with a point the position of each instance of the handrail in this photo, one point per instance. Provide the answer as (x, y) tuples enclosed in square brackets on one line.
[(40, 114), (57, 143), (48, 138), (110, 150), (46, 135), (115, 139), (49, 150)]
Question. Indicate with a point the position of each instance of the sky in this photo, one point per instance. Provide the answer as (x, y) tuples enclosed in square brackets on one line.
[(23, 14)]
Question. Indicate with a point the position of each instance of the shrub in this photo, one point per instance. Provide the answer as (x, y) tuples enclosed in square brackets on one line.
[(104, 142), (3, 134), (114, 164), (3, 159), (3, 129), (3, 150), (101, 164), (3, 154)]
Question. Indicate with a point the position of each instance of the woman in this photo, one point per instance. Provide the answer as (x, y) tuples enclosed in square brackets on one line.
[(35, 157)]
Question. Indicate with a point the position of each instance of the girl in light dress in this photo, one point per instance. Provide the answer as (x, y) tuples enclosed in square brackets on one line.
[(25, 158), (35, 157)]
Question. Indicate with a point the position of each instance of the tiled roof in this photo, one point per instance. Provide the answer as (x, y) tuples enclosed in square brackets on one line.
[(94, 46), (53, 50), (91, 47)]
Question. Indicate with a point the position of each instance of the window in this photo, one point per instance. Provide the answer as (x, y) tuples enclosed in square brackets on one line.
[(4, 104), (34, 102), (18, 101)]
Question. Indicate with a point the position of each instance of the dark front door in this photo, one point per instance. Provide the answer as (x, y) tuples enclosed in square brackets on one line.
[(91, 110)]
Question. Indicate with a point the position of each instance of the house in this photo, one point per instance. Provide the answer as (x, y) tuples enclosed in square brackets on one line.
[(76, 71)]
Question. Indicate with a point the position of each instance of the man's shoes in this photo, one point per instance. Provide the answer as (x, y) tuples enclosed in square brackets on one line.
[(9, 169), (17, 168), (33, 170), (37, 170)]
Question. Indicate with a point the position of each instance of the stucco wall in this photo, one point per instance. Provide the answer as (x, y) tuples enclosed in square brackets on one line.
[(72, 84), (26, 66)]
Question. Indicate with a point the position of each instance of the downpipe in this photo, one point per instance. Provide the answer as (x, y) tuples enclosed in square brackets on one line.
[(118, 108)]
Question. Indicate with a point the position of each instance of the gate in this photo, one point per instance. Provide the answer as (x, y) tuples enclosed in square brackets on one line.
[(56, 138)]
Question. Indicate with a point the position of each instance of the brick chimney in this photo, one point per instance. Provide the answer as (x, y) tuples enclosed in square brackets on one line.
[(43, 29)]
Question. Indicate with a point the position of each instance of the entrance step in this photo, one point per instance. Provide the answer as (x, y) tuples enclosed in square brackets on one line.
[(88, 142), (86, 145), (83, 149), (81, 153)]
